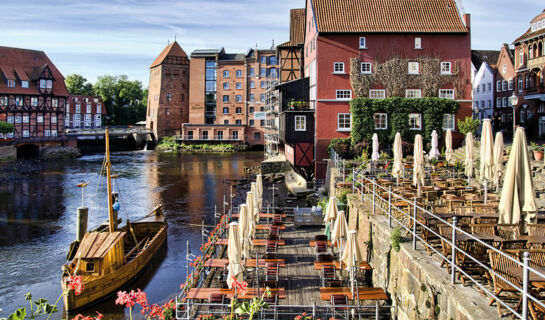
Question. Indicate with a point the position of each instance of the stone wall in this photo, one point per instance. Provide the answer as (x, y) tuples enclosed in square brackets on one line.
[(415, 282), (8, 152), (268, 167)]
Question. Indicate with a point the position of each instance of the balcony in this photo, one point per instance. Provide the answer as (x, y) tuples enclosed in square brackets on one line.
[(298, 105), (209, 138), (538, 62)]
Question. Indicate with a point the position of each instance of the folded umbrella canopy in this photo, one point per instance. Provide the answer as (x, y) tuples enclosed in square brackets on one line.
[(498, 158), (340, 229), (250, 201), (244, 227), (330, 215), (448, 146), (259, 185), (518, 198), (397, 168), (375, 155), (418, 164), (486, 156), (351, 256), (434, 152), (469, 156), (256, 208), (234, 253)]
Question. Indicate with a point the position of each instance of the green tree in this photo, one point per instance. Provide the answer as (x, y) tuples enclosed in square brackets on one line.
[(77, 84), (468, 125), (6, 127), (125, 100)]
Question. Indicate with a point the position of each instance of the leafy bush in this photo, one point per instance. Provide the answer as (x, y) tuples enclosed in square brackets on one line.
[(168, 143), (468, 125), (396, 239), (6, 127), (342, 146), (323, 203)]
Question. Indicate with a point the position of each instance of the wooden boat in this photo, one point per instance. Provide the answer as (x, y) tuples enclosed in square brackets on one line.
[(109, 258)]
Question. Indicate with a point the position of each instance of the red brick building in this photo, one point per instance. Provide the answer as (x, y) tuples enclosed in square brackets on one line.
[(375, 32), (529, 82), (84, 112), (32, 95), (168, 92), (504, 87)]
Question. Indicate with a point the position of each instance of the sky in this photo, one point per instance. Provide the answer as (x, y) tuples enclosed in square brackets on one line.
[(98, 37)]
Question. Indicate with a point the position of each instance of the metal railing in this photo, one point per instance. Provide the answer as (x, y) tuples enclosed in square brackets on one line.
[(370, 190), (209, 138)]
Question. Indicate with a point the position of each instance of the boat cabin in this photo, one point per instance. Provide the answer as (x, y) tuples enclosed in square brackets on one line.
[(100, 253)]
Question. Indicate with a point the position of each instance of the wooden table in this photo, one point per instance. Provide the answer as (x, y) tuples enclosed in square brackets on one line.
[(531, 240), (364, 293), (318, 265), (265, 215), (204, 293), (267, 227), (537, 284), (255, 242), (312, 243), (250, 263)]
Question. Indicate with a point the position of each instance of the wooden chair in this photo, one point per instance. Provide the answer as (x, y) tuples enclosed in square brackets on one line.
[(328, 273), (536, 229), (499, 265), (272, 247), (270, 301), (537, 257), (483, 229), (273, 284), (508, 231), (218, 299), (338, 303), (325, 258), (272, 271), (320, 237), (513, 245)]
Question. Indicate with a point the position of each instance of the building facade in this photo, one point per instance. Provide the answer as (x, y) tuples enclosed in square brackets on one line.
[(359, 37), (33, 95), (84, 112), (529, 82), (484, 66), (168, 96), (504, 77)]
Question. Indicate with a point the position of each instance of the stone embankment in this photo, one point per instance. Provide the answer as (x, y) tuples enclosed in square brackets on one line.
[(55, 153)]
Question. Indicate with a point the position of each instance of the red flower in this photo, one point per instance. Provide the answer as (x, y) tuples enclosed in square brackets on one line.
[(81, 317), (76, 284), (298, 318), (124, 298), (241, 287)]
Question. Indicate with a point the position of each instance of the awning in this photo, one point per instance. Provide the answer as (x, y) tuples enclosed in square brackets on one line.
[(535, 96)]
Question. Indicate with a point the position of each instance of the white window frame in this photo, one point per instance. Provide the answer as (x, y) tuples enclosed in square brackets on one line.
[(300, 123), (53, 119), (11, 83), (24, 84), (43, 83), (413, 67), (39, 118), (226, 86), (47, 133), (446, 93), (26, 118), (418, 43), (34, 101), (377, 93), (415, 116), (344, 129), (498, 86), (10, 119), (54, 132), (18, 119), (451, 121), (381, 115), (338, 67), (446, 67), (78, 108), (26, 133), (341, 95), (505, 102), (411, 93), (363, 68), (498, 102), (510, 84), (99, 109), (363, 43), (504, 85), (226, 73)]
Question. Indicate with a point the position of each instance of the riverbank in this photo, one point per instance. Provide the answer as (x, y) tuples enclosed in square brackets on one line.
[(170, 144)]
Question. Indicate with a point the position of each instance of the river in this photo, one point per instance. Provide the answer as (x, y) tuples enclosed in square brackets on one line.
[(38, 202)]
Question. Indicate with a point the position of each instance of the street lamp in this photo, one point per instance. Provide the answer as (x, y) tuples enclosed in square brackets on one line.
[(513, 100)]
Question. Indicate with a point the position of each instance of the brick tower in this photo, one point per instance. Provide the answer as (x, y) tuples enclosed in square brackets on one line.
[(168, 97)]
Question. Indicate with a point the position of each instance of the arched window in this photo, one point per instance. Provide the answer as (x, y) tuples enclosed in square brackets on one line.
[(530, 52)]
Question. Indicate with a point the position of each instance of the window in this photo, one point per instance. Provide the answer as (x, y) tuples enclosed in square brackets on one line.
[(252, 85), (363, 44), (226, 85), (264, 59), (377, 93), (10, 119), (18, 119), (505, 104), (220, 135), (262, 97), (273, 61), (482, 104), (446, 93), (34, 101), (252, 72), (489, 104), (510, 84), (413, 67), (225, 110), (4, 101), (498, 86), (190, 135), (343, 94), (263, 72), (338, 67), (18, 101), (11, 83), (225, 121), (446, 68), (366, 67), (235, 135), (381, 121), (257, 136), (98, 120), (47, 133), (273, 72), (49, 84), (263, 84), (26, 119), (78, 108), (252, 123), (24, 84), (226, 73), (415, 121), (477, 89), (238, 110), (521, 57), (26, 133), (225, 98), (520, 83), (251, 110), (238, 98), (490, 86), (204, 135), (504, 85), (40, 119), (418, 43), (99, 109), (77, 119), (43, 83), (344, 122), (484, 87), (238, 73), (262, 122), (448, 121), (238, 122), (413, 93), (252, 97), (300, 123), (498, 102)]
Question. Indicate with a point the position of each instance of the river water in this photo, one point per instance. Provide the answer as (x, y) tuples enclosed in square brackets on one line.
[(38, 202)]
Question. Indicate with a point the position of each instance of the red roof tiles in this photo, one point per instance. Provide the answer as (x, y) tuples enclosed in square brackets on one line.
[(172, 49), (422, 16)]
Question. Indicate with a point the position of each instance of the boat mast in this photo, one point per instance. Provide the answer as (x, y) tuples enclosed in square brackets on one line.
[(109, 180)]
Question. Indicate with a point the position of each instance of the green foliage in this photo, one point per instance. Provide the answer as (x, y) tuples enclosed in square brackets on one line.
[(342, 197), (323, 203), (398, 109), (254, 306), (396, 239), (342, 146), (170, 144), (6, 127), (38, 308), (536, 147), (77, 84), (468, 125), (125, 101)]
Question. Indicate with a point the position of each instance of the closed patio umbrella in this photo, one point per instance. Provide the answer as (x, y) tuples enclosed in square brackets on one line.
[(250, 201), (257, 207), (498, 159), (375, 155), (244, 230), (486, 156), (448, 147), (434, 152), (259, 184), (340, 229), (234, 252), (469, 156), (397, 168), (351, 256), (330, 215), (518, 202), (418, 163)]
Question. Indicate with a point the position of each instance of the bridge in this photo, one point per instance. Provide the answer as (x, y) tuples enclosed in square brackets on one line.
[(127, 137), (113, 131)]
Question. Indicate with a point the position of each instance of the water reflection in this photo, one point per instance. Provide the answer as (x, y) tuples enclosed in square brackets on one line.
[(37, 216)]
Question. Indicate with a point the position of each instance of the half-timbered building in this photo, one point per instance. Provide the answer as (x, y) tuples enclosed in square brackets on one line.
[(33, 95), (290, 53)]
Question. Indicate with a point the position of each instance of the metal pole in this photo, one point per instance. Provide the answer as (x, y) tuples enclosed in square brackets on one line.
[(377, 310), (353, 182), (414, 224), (453, 246), (202, 230), (374, 183), (314, 309), (344, 166), (526, 260), (390, 206), (231, 196), (514, 122), (187, 253), (485, 182)]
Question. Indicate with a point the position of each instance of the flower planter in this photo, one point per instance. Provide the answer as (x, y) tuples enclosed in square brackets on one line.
[(538, 155)]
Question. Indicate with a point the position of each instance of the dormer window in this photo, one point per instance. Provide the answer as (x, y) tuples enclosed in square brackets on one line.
[(11, 83), (24, 84), (49, 84), (534, 27), (43, 83)]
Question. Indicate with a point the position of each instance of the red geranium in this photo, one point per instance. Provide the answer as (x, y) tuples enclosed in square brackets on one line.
[(76, 284)]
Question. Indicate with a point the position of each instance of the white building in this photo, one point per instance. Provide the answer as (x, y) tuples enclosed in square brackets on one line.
[(483, 67)]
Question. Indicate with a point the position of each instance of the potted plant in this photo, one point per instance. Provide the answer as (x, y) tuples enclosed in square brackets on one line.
[(538, 151)]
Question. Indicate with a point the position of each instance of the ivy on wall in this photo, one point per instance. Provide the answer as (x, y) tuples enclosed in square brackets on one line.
[(398, 109)]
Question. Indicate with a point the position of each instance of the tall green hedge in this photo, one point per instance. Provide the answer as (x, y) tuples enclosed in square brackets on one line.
[(398, 109)]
